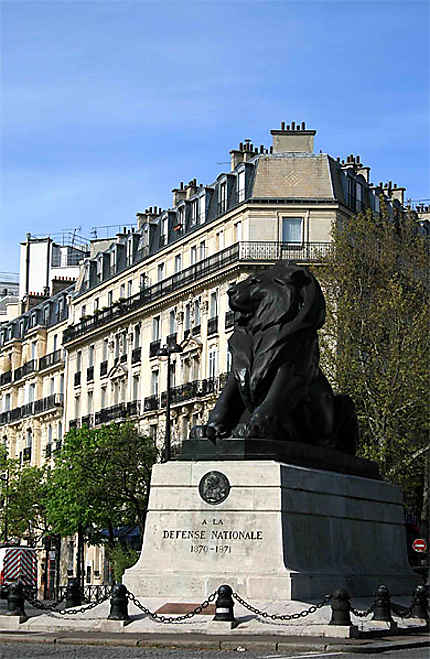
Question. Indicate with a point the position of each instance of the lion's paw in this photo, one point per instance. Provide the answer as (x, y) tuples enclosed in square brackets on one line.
[(260, 426)]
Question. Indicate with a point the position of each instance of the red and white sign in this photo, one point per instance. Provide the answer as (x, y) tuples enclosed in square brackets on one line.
[(419, 544)]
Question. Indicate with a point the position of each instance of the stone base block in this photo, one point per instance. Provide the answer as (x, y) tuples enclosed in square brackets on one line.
[(272, 531), (10, 623)]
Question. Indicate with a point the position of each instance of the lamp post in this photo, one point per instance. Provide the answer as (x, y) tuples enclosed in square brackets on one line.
[(167, 351)]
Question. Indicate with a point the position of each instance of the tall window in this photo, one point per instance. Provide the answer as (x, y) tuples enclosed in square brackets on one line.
[(49, 434), (90, 402), (136, 336), (187, 316), (213, 357), (164, 230), (172, 322), (32, 393), (60, 431), (154, 383), (79, 360), (77, 406), (241, 186), (292, 229), (193, 255), (33, 349), (62, 383), (52, 385), (55, 342), (122, 290), (202, 250), (197, 317), (129, 287), (238, 232), (91, 355), (156, 327), (83, 311), (220, 240), (105, 349), (110, 298), (202, 209), (135, 394), (194, 212), (222, 197), (113, 261), (96, 304), (103, 398), (160, 271), (213, 305), (178, 263)]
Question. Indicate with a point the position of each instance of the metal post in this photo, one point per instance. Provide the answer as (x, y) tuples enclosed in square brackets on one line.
[(167, 444), (6, 501)]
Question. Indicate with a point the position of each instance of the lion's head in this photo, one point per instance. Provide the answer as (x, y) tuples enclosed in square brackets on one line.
[(272, 306)]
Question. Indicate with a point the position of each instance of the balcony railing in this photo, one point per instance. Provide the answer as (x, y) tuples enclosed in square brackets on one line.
[(244, 251), (48, 403), (154, 347), (90, 373), (24, 370), (212, 325), (77, 379), (136, 355), (187, 333), (189, 390), (123, 358), (74, 423), (103, 368), (5, 378), (111, 413), (88, 420), (151, 403), (50, 360), (196, 330), (133, 408)]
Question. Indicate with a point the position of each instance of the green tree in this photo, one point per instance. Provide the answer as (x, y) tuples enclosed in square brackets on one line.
[(375, 342), (100, 481), (22, 493)]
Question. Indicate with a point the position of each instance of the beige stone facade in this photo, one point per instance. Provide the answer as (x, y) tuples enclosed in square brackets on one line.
[(91, 358)]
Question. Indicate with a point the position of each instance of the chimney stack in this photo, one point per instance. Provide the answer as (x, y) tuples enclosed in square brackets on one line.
[(293, 138)]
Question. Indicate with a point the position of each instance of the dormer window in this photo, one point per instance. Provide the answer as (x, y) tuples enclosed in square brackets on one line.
[(180, 220), (87, 276), (130, 251), (113, 262), (222, 198), (99, 271), (21, 329), (10, 332), (163, 234), (202, 209), (60, 305), (241, 186), (33, 319), (194, 212)]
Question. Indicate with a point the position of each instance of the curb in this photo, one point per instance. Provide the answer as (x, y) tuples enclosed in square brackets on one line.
[(222, 643)]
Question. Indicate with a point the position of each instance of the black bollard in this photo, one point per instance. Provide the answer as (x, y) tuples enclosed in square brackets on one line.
[(224, 605), (73, 593), (15, 600), (340, 608), (419, 608), (119, 603), (382, 607)]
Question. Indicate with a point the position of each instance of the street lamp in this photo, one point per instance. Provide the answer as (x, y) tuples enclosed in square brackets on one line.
[(167, 351)]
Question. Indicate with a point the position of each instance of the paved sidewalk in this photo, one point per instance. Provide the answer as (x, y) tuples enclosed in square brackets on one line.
[(270, 642)]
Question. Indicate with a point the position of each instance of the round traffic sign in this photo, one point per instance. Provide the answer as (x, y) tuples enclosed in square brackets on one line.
[(419, 544)]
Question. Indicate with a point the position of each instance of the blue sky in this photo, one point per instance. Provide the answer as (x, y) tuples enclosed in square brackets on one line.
[(107, 105)]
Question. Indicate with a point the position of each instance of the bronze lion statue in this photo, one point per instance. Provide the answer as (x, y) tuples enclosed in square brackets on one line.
[(276, 389)]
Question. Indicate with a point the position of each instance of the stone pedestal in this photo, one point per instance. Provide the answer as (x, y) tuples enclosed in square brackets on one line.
[(277, 532)]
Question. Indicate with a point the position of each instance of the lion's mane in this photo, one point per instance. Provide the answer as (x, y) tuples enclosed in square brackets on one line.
[(282, 326)]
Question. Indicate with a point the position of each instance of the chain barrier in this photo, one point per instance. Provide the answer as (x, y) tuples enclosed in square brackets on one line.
[(362, 614), (71, 611), (170, 619), (286, 616)]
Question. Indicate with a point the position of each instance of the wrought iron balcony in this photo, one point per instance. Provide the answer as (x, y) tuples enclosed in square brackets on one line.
[(74, 423), (189, 390), (254, 252), (50, 360), (48, 403), (212, 325), (58, 445), (154, 347), (136, 355), (24, 370), (196, 330), (151, 403), (133, 408), (123, 358), (108, 414), (87, 420), (103, 368), (171, 339)]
